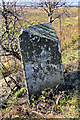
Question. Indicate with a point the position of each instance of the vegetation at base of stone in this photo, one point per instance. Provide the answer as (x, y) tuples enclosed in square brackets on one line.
[(17, 94), (47, 104), (56, 101), (21, 92)]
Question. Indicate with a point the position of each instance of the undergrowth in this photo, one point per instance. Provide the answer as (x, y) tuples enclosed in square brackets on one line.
[(67, 104)]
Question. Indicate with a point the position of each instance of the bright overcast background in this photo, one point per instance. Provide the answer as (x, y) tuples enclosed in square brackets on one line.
[(38, 0), (71, 1)]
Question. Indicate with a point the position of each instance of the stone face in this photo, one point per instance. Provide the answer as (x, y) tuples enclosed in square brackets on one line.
[(40, 49)]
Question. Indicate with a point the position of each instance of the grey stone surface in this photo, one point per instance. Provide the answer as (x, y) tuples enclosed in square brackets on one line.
[(40, 49)]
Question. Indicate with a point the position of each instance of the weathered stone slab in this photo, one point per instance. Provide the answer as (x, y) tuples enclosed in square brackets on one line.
[(40, 48)]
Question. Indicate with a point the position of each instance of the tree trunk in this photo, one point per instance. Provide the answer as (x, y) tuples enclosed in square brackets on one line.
[(50, 19), (60, 29)]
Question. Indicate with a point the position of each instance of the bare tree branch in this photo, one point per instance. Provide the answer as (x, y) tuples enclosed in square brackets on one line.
[(51, 6), (15, 54)]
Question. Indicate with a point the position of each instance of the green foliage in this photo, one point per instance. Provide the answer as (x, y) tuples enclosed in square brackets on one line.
[(69, 101), (16, 116), (32, 100), (21, 92), (33, 97), (68, 23), (46, 94), (9, 101), (14, 98), (67, 18), (15, 89), (17, 94), (73, 41), (9, 91), (42, 97), (65, 46)]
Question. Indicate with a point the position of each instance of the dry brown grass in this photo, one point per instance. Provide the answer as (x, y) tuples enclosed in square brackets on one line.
[(69, 25)]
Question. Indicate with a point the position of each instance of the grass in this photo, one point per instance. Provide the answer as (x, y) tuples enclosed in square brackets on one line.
[(16, 95), (70, 56), (67, 106)]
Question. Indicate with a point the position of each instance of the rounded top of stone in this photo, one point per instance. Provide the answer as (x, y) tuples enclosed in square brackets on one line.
[(45, 30)]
